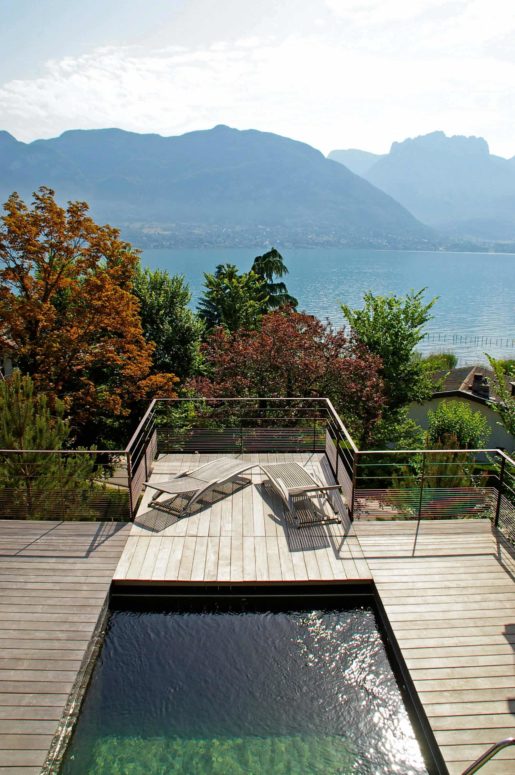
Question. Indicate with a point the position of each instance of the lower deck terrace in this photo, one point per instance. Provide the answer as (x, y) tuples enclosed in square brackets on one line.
[(423, 530), (447, 587)]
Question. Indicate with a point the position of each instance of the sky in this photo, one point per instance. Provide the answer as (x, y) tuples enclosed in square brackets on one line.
[(332, 73)]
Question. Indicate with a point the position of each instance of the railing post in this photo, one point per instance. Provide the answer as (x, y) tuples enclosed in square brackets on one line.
[(314, 433), (337, 444), (129, 482), (422, 477), (354, 477), (499, 492)]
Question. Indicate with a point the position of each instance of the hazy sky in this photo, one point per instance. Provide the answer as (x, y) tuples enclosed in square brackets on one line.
[(333, 73)]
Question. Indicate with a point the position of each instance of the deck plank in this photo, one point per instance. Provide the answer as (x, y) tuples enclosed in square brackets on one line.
[(54, 579)]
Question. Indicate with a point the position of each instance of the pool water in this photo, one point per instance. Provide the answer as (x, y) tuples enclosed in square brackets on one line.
[(231, 693)]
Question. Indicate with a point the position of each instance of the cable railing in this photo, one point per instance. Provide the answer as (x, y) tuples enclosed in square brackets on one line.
[(377, 484), (63, 484), (436, 484)]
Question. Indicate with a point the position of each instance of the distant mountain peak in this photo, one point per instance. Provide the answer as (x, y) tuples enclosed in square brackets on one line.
[(438, 141), (6, 138)]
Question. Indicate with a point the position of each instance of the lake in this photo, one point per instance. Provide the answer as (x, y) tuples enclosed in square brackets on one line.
[(474, 314)]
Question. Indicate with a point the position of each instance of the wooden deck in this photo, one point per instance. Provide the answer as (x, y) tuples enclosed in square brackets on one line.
[(240, 537), (447, 587), (449, 593), (54, 578)]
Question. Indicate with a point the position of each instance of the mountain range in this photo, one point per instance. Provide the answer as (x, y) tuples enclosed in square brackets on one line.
[(453, 184), (216, 187)]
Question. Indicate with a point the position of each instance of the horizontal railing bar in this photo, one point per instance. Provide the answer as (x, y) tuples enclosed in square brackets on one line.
[(64, 451), (243, 400), (421, 451)]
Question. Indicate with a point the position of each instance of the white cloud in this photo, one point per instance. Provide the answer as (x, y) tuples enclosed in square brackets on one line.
[(378, 73)]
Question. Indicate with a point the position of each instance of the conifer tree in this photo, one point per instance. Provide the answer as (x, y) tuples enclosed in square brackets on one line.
[(37, 484)]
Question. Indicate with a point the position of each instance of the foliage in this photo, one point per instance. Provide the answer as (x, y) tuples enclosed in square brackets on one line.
[(449, 469), (457, 420), (440, 361), (438, 473), (168, 322), (31, 480), (505, 406), (69, 317), (294, 355), (391, 327), (396, 430), (270, 266), (231, 299)]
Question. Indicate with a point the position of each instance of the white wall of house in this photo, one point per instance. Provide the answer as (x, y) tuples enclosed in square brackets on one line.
[(499, 437)]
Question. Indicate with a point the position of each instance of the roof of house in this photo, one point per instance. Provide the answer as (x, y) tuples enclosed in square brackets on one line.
[(460, 381)]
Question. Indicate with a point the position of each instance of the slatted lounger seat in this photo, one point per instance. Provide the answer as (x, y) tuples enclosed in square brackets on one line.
[(192, 485), (302, 494)]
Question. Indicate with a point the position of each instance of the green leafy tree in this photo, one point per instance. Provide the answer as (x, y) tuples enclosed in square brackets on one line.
[(33, 482), (455, 419), (391, 327), (440, 361), (505, 407), (397, 430), (269, 267), (168, 322), (231, 299)]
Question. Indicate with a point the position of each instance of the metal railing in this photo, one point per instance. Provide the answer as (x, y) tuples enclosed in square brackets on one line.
[(377, 484), (436, 484), (238, 426), (484, 758), (63, 484)]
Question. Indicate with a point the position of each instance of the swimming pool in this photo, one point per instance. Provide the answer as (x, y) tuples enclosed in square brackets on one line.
[(244, 689)]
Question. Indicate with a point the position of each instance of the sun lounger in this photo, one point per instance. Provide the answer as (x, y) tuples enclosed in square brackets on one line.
[(302, 494), (189, 486)]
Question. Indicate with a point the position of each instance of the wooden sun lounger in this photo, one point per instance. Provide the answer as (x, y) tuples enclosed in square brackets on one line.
[(192, 485), (299, 490)]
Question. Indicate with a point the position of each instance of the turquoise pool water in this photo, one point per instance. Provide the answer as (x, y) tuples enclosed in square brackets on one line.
[(281, 693)]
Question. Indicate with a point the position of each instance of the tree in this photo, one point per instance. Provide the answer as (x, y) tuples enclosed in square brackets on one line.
[(31, 481), (231, 299), (295, 355), (168, 322), (505, 406), (270, 266), (69, 318), (440, 361), (455, 419), (391, 327)]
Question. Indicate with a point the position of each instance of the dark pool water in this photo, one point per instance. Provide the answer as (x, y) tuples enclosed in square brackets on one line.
[(289, 693)]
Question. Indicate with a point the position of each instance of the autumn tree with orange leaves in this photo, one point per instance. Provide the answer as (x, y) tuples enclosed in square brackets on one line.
[(68, 316)]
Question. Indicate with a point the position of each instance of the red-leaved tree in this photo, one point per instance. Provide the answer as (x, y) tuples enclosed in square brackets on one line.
[(295, 355)]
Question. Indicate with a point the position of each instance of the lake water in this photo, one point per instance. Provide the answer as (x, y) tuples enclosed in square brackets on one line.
[(474, 314)]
